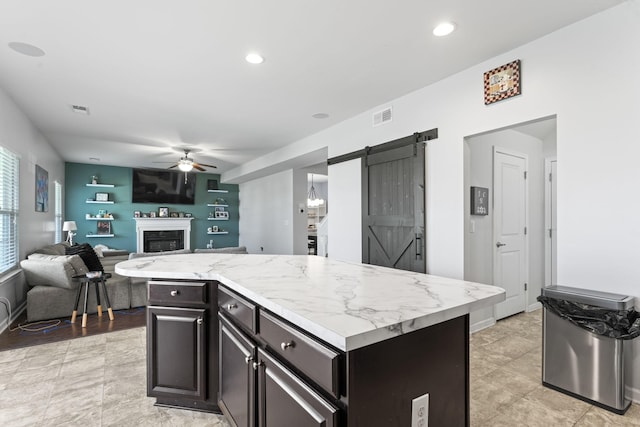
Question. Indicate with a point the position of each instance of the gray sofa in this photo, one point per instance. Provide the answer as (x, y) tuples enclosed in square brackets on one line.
[(49, 274)]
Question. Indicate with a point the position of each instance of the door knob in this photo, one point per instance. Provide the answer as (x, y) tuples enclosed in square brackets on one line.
[(499, 244)]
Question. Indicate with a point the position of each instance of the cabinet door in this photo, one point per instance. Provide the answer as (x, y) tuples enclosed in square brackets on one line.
[(284, 400), (176, 363), (237, 376)]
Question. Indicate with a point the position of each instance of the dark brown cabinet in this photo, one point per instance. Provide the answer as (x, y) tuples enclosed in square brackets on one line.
[(177, 363), (237, 375), (182, 344), (284, 400), (256, 388)]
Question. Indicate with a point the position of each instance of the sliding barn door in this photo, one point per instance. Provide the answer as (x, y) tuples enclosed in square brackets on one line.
[(393, 208)]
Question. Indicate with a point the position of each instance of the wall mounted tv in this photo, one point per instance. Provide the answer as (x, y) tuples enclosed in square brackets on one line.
[(163, 187)]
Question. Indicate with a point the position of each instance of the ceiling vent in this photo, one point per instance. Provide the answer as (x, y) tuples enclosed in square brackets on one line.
[(382, 117), (80, 109)]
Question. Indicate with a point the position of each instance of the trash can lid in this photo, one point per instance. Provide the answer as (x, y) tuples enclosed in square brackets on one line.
[(591, 297)]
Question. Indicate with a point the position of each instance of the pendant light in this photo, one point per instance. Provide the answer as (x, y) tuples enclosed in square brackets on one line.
[(312, 198)]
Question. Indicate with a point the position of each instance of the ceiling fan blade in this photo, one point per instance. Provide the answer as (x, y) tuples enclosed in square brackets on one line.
[(196, 166), (174, 166), (204, 164)]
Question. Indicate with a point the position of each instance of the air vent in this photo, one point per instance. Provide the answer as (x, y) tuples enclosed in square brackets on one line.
[(80, 109), (382, 117)]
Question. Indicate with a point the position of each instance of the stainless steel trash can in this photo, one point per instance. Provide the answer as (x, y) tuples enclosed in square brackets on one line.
[(582, 364)]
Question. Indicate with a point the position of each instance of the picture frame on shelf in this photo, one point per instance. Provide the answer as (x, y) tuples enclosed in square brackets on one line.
[(212, 184), (102, 197), (188, 215), (214, 228), (146, 215), (136, 214), (152, 214), (174, 215), (222, 214), (180, 214), (219, 209), (163, 212), (103, 227)]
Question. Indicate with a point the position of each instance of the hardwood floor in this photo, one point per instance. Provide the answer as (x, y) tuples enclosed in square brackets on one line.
[(65, 330)]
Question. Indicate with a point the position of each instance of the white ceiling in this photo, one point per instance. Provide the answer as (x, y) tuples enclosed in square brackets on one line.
[(158, 75)]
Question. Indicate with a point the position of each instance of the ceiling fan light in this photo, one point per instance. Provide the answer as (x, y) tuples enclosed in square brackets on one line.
[(185, 165)]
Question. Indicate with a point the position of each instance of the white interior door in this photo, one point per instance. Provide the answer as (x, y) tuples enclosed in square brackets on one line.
[(509, 224), (551, 228)]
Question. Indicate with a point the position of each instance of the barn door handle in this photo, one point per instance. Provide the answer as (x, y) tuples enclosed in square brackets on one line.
[(500, 244), (418, 245)]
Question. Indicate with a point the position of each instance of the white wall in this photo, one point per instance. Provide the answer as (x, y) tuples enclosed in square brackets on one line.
[(266, 214), (35, 228), (345, 225), (586, 75)]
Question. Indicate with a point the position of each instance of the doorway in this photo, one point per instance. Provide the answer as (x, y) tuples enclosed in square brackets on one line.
[(537, 141)]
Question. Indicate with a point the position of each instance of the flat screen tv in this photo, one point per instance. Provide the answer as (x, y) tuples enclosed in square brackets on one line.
[(163, 187)]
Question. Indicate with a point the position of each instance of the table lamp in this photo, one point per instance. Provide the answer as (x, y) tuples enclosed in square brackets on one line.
[(70, 227)]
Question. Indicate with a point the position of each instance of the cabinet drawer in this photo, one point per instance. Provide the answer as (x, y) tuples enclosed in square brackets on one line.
[(238, 308), (312, 358), (177, 294)]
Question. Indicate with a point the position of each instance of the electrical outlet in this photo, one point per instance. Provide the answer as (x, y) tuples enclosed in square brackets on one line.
[(420, 411)]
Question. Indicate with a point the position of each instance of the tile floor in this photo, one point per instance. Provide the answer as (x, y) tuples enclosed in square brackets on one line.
[(100, 381), (506, 388)]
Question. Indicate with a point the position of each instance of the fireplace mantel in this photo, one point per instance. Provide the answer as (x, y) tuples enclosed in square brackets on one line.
[(162, 224)]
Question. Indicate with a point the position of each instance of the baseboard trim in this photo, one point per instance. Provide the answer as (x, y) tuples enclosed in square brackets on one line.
[(483, 324), (533, 307), (15, 313), (632, 394)]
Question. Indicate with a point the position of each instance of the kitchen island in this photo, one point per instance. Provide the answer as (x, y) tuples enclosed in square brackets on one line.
[(324, 342)]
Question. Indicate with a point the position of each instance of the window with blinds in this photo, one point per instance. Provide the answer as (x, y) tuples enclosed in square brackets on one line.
[(9, 192), (58, 211)]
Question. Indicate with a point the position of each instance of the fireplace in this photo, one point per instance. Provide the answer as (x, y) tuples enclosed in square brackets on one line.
[(163, 234), (160, 241)]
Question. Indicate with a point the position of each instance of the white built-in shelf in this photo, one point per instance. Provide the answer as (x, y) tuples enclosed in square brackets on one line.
[(217, 219), (101, 185), (217, 232), (93, 218), (213, 204), (101, 235), (108, 202), (217, 191)]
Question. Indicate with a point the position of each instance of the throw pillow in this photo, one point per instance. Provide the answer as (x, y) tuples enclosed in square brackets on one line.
[(86, 252)]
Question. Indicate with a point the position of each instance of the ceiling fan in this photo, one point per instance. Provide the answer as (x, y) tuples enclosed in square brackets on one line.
[(186, 163)]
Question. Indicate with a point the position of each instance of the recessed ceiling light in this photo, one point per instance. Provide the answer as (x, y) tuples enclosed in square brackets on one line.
[(26, 49), (320, 115), (254, 58), (444, 29)]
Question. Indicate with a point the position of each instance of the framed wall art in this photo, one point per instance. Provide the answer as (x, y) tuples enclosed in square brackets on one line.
[(163, 212), (479, 201), (42, 190), (502, 82)]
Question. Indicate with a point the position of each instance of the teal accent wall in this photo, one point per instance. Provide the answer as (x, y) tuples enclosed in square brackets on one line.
[(77, 175)]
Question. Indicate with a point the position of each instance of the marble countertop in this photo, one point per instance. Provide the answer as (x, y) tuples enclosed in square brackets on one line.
[(348, 305)]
